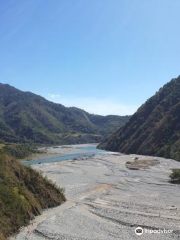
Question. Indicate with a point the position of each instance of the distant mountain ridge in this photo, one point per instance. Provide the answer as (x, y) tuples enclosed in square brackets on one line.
[(27, 117), (154, 129)]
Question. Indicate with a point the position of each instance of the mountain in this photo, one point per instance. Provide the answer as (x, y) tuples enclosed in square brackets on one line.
[(154, 129), (27, 117)]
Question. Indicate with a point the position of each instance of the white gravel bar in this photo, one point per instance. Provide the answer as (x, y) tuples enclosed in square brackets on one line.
[(107, 201)]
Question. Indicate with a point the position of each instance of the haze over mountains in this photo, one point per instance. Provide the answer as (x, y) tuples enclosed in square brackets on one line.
[(154, 129), (27, 117)]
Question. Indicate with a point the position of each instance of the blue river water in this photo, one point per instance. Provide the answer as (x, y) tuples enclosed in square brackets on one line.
[(91, 150)]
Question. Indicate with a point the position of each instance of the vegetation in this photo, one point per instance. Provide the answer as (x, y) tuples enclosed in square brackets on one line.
[(19, 151), (154, 129), (175, 176), (141, 164), (24, 192), (26, 117)]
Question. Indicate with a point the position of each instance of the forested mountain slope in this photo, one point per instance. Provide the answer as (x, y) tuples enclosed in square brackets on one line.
[(154, 129), (25, 117)]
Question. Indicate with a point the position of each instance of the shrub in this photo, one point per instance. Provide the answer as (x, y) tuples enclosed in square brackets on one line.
[(175, 175)]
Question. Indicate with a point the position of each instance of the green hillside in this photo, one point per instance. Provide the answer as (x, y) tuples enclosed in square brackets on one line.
[(154, 129), (24, 192), (27, 117)]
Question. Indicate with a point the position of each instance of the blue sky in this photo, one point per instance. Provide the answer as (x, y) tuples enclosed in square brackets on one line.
[(105, 56)]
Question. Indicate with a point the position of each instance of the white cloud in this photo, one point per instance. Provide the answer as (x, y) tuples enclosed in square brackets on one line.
[(53, 95), (96, 106)]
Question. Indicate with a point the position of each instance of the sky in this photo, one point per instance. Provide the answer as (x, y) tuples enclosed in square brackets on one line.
[(104, 56)]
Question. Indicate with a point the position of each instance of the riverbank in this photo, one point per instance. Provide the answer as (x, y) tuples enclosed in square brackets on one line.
[(54, 151), (107, 201)]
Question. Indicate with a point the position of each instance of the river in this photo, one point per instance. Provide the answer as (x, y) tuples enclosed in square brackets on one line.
[(81, 150)]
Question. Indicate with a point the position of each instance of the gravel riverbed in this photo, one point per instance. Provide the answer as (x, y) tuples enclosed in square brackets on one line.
[(107, 201)]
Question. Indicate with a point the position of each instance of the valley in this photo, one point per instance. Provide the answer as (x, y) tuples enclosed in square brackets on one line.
[(89, 120)]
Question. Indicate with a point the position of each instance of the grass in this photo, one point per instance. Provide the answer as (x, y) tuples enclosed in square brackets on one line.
[(24, 193), (1, 145)]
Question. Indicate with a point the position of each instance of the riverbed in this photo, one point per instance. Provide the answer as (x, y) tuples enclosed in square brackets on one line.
[(63, 153), (106, 200)]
